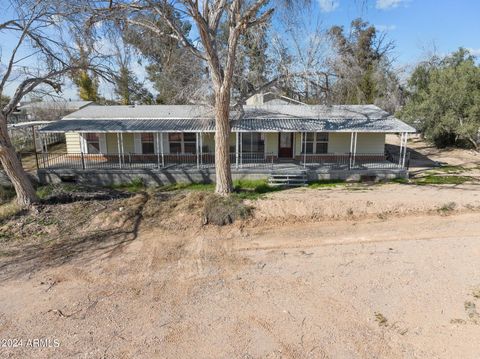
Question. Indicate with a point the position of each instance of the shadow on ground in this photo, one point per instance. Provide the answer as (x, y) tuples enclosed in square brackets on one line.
[(83, 248)]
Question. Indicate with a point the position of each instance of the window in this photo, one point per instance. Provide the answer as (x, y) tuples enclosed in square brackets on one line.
[(189, 143), (183, 142), (253, 142), (316, 143), (148, 146), (93, 142)]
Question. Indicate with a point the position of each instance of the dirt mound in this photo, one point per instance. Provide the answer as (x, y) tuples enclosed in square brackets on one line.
[(363, 202), (190, 210)]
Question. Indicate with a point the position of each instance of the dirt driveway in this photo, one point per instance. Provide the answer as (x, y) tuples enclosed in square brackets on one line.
[(382, 280)]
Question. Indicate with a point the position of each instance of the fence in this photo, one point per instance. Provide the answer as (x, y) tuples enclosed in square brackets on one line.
[(359, 161), (207, 160), (141, 161)]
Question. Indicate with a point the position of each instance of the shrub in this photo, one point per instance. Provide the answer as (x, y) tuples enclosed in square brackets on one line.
[(220, 210)]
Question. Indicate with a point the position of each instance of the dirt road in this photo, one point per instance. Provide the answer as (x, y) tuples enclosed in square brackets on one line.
[(398, 288)]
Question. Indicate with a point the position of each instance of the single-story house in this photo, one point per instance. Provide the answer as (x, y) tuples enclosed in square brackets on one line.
[(157, 136)]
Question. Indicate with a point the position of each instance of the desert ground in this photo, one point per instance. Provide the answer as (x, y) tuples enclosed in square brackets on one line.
[(343, 271)]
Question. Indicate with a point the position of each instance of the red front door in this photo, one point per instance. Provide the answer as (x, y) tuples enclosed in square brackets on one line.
[(285, 145)]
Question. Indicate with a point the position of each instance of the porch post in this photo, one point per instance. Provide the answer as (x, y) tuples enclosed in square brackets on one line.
[(237, 136), (354, 148), (123, 149), (304, 149), (119, 147), (201, 148), (241, 149), (82, 158), (197, 142), (45, 143), (43, 152), (35, 145), (157, 140), (400, 154), (161, 149), (351, 151), (405, 149)]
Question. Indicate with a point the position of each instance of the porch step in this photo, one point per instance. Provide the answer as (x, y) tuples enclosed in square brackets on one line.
[(288, 178)]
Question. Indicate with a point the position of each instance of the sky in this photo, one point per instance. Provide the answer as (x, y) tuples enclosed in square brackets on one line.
[(415, 26)]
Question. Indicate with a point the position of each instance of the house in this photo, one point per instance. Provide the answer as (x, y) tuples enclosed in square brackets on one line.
[(271, 98), (326, 140), (29, 117), (45, 110)]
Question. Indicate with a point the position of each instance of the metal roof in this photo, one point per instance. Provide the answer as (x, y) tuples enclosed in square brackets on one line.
[(29, 124), (62, 104), (264, 118)]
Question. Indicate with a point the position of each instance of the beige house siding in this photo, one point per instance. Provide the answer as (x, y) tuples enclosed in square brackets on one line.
[(112, 146), (72, 140), (339, 142), (271, 143), (297, 144), (371, 143), (128, 143)]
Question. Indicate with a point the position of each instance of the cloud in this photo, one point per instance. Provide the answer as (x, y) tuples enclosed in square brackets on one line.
[(389, 4), (474, 52), (328, 5), (385, 28)]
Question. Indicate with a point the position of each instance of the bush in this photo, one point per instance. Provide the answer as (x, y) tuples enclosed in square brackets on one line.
[(220, 210)]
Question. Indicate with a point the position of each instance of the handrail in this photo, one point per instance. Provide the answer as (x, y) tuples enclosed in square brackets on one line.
[(344, 161)]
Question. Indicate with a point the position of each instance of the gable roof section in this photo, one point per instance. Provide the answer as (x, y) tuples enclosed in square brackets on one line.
[(264, 118)]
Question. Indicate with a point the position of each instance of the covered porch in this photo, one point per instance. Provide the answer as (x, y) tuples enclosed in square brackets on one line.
[(318, 151)]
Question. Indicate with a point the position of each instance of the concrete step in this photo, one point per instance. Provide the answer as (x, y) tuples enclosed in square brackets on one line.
[(290, 179)]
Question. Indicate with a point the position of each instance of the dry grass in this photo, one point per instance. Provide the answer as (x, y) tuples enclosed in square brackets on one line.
[(8, 210)]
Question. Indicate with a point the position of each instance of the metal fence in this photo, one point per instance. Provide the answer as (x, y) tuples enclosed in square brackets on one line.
[(349, 162), (141, 161), (207, 160)]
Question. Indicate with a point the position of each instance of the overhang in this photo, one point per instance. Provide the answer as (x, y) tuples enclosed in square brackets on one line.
[(384, 125)]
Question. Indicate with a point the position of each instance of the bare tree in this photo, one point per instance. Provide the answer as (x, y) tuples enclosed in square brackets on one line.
[(40, 57), (300, 51), (207, 15)]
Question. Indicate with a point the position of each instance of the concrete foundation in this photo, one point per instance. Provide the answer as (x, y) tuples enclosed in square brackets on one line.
[(152, 177)]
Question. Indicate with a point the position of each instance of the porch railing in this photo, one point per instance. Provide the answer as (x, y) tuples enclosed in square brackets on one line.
[(141, 161), (358, 161), (207, 160)]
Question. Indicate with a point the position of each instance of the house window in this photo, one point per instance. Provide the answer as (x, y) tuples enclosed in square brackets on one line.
[(148, 146), (316, 142), (92, 141), (253, 142), (183, 142)]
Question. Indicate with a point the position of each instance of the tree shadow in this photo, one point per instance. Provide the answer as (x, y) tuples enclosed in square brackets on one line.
[(417, 159), (84, 248)]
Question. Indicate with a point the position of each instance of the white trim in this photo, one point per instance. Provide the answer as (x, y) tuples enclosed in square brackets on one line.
[(119, 149), (83, 143), (237, 146)]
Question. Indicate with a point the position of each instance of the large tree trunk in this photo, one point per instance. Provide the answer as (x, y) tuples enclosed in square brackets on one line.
[(223, 174), (26, 195)]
